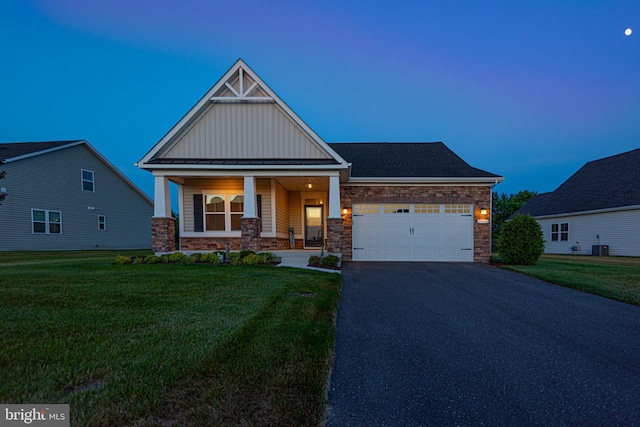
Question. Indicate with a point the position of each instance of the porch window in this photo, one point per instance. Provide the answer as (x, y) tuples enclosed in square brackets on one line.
[(214, 212), (222, 212)]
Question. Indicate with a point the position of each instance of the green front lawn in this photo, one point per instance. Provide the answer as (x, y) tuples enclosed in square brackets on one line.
[(166, 344), (612, 277)]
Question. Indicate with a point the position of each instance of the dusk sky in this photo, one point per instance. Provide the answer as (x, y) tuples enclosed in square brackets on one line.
[(530, 90)]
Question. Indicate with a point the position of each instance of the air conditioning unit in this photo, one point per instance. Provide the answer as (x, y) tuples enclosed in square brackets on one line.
[(600, 250)]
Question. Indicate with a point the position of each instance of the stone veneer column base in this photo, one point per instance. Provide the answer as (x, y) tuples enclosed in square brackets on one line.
[(334, 235), (163, 237), (250, 233)]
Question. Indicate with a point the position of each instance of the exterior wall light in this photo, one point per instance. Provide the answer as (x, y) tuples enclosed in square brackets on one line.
[(344, 211), (483, 211)]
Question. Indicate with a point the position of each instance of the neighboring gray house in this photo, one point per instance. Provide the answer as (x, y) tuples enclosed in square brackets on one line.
[(598, 205), (65, 195)]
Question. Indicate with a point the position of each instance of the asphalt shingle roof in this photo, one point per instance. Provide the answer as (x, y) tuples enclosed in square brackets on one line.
[(611, 182), (406, 159), (16, 149)]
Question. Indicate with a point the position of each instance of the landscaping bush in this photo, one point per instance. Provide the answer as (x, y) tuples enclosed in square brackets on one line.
[(245, 253), (210, 258), (234, 258), (330, 261), (314, 260), (266, 257), (152, 259), (521, 241), (251, 259), (121, 259), (178, 258)]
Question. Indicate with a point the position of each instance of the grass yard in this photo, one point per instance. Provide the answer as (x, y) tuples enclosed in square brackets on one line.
[(612, 277), (167, 345)]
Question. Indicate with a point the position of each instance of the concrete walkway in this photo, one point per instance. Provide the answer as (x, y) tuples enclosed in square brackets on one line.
[(300, 259)]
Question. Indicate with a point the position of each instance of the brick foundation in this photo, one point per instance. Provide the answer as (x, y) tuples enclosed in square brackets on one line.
[(334, 235), (163, 234), (210, 243), (479, 196)]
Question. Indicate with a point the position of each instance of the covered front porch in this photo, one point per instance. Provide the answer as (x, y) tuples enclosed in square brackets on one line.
[(250, 210)]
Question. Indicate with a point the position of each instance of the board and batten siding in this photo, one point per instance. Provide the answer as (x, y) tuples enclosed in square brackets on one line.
[(224, 186), (53, 181), (619, 230), (245, 131)]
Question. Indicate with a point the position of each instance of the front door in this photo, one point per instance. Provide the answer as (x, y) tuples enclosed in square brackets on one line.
[(313, 226)]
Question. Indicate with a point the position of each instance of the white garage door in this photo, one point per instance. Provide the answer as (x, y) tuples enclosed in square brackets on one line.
[(412, 232)]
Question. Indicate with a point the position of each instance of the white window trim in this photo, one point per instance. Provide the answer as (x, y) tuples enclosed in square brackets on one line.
[(103, 222), (93, 180), (227, 232), (46, 221)]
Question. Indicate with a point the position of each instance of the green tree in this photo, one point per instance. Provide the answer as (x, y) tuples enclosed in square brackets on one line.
[(521, 241), (504, 205)]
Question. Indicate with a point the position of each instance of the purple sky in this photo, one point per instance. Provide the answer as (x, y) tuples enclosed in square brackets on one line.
[(530, 90)]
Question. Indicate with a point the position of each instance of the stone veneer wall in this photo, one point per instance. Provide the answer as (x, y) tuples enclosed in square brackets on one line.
[(163, 234), (479, 196), (210, 243), (250, 232), (334, 235)]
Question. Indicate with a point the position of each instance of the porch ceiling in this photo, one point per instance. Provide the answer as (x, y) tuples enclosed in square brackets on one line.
[(301, 183)]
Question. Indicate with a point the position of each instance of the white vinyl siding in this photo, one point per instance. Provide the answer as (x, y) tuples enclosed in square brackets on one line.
[(257, 130), (619, 230), (412, 232)]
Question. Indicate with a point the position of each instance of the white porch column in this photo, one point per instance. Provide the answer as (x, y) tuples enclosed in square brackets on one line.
[(161, 198), (249, 197), (334, 197)]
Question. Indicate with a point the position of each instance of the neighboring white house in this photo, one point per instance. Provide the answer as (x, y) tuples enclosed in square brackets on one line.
[(599, 205), (66, 195), (250, 172)]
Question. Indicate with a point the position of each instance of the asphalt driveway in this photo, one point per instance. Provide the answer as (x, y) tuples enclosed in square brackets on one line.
[(470, 344)]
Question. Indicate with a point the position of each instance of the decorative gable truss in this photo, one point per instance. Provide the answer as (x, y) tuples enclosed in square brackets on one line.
[(241, 87), (241, 121)]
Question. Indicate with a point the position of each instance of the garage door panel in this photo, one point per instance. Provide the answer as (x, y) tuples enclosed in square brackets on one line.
[(413, 232)]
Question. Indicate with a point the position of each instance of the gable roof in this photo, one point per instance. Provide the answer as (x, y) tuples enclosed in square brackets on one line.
[(408, 160), (13, 151), (240, 121), (608, 183), (16, 151)]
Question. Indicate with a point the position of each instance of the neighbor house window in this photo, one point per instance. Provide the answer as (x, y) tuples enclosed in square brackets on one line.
[(102, 223), (560, 232), (222, 212), (46, 222), (87, 180)]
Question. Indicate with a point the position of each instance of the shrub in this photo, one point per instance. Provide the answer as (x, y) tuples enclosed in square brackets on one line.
[(330, 261), (245, 253), (210, 258), (234, 258), (195, 257), (138, 260), (152, 259), (178, 258), (121, 259), (314, 260), (164, 259), (251, 259), (520, 241), (266, 257)]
